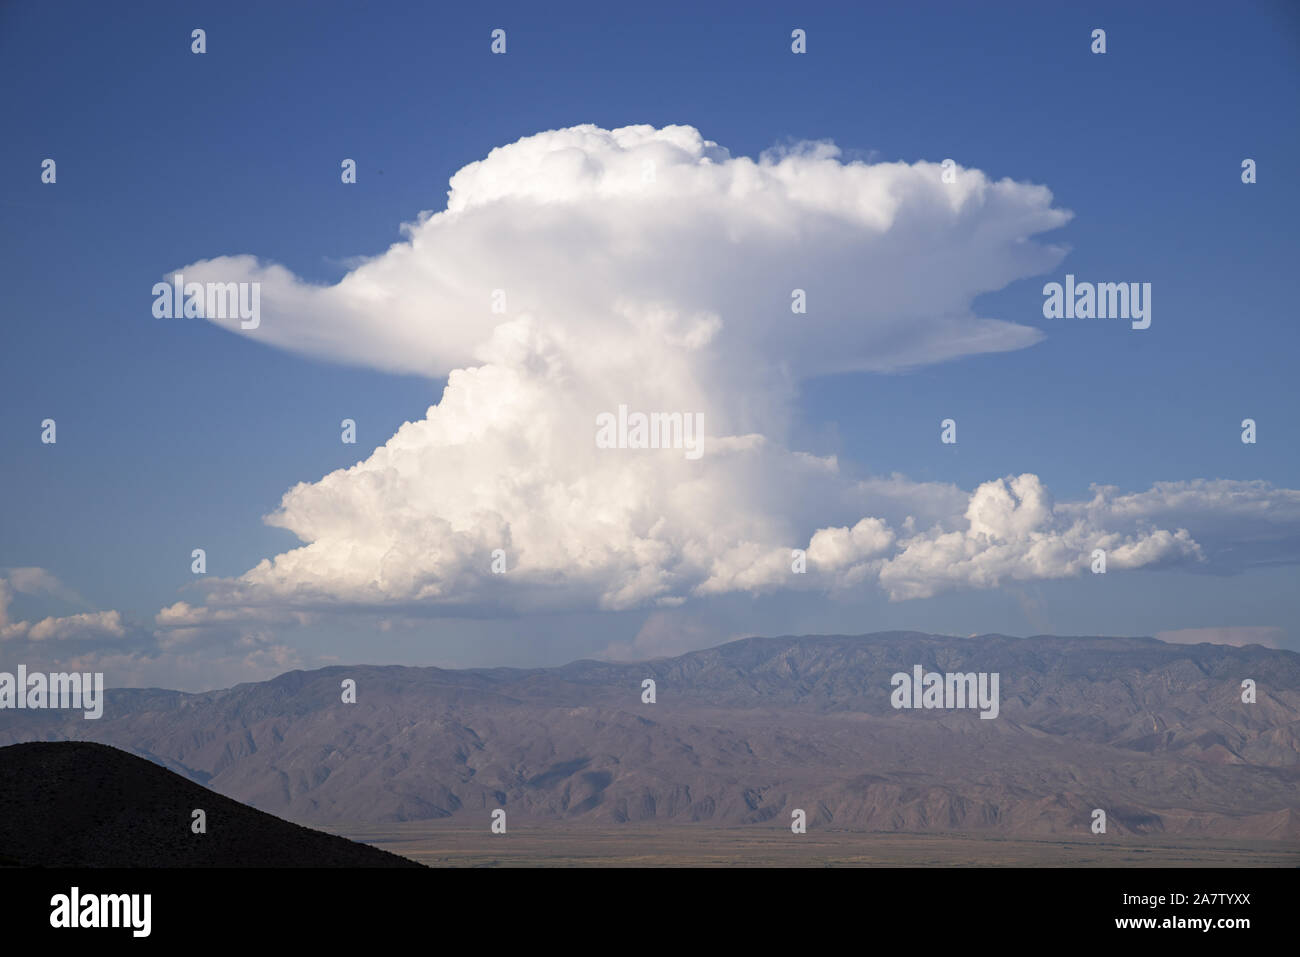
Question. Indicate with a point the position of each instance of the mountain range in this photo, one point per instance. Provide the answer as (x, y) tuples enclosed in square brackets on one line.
[(1157, 735)]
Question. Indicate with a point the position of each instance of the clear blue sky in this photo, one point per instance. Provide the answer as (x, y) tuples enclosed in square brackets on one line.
[(177, 435)]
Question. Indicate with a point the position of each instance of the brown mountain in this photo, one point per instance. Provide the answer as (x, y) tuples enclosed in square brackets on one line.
[(75, 804), (1156, 734)]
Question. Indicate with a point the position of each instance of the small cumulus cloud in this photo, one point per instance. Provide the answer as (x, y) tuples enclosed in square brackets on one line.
[(188, 649), (31, 580)]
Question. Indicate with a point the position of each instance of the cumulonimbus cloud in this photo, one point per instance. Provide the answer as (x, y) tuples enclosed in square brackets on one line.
[(582, 270)]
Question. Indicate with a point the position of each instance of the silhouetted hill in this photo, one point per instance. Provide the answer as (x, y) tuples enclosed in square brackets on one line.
[(1154, 733), (77, 804)]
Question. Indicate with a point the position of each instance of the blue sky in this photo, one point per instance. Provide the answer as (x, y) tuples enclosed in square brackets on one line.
[(180, 435)]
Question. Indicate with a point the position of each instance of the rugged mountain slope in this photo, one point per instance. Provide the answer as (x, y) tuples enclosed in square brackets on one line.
[(75, 804), (1155, 734)]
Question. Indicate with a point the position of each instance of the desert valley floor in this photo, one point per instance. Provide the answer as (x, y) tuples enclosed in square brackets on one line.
[(753, 846)]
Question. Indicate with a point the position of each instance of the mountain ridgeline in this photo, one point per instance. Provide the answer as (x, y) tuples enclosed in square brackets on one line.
[(1155, 734)]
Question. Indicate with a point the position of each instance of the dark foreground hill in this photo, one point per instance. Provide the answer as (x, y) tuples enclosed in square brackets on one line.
[(76, 804), (1155, 734)]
